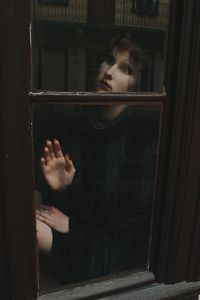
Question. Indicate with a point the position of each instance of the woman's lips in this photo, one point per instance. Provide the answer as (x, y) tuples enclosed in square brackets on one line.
[(104, 85)]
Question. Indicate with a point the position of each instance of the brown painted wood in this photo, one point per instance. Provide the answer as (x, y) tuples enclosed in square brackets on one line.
[(175, 241), (177, 222), (92, 97), (171, 66), (18, 230)]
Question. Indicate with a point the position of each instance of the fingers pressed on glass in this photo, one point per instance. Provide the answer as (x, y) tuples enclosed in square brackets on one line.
[(57, 148), (44, 209), (44, 214), (43, 163), (44, 219), (68, 160), (39, 212), (39, 217), (69, 164), (51, 149), (67, 156), (47, 155)]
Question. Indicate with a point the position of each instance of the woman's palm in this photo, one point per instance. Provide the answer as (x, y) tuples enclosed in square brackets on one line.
[(57, 169)]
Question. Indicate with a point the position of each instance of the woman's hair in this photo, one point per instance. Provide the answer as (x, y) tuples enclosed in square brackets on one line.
[(126, 43)]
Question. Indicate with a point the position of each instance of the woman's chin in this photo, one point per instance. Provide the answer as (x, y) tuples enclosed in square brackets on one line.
[(100, 90)]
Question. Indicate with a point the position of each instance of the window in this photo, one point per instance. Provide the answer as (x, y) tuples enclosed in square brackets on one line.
[(145, 7), (113, 147), (175, 243)]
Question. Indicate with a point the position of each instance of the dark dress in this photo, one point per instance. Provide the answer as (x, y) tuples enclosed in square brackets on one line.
[(109, 201)]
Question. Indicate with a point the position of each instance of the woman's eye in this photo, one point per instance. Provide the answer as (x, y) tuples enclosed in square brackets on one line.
[(126, 69)]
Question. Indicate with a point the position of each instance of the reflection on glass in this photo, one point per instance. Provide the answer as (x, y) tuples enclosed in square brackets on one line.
[(70, 39), (95, 170)]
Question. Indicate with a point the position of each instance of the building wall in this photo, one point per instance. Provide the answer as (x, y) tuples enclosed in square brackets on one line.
[(76, 12), (125, 16)]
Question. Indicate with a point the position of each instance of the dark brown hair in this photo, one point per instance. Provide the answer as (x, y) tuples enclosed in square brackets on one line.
[(126, 43)]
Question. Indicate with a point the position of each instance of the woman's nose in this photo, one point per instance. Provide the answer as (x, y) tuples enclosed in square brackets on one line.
[(109, 73)]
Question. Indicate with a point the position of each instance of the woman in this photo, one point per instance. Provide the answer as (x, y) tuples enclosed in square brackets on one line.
[(99, 221)]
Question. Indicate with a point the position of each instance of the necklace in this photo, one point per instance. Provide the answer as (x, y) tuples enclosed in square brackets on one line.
[(105, 125)]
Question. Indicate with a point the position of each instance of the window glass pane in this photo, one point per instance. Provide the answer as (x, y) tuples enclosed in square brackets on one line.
[(86, 31), (53, 68), (95, 172)]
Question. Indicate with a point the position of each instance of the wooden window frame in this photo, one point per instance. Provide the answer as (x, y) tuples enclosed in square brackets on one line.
[(175, 240)]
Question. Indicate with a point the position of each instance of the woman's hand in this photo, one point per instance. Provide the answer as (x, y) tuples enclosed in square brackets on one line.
[(53, 217), (57, 169)]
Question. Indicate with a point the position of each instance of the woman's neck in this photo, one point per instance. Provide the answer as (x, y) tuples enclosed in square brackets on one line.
[(110, 112)]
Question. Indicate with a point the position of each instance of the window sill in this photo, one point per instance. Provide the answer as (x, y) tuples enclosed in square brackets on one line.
[(102, 288), (135, 286)]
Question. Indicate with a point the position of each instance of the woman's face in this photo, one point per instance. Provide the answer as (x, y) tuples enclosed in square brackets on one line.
[(116, 73)]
